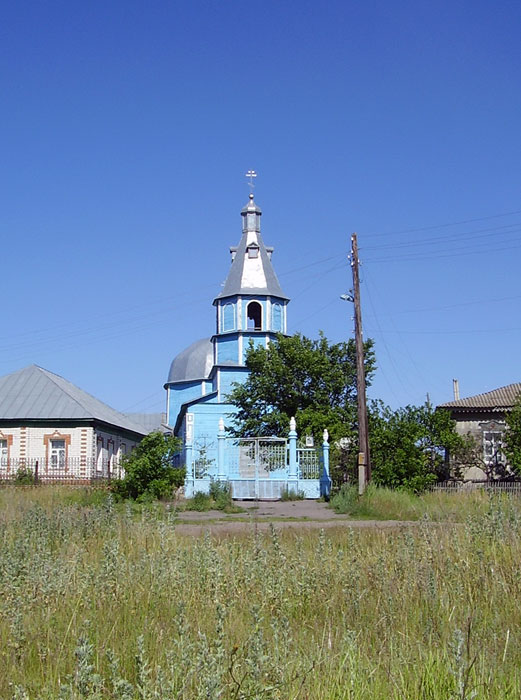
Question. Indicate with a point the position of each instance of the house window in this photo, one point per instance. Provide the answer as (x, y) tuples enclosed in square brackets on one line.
[(254, 318), (253, 250), (57, 450), (57, 454), (110, 454), (4, 452), (493, 448), (99, 455)]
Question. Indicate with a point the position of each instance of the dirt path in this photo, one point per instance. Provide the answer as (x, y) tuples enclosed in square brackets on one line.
[(293, 515)]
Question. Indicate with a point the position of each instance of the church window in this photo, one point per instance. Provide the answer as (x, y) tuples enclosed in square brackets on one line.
[(276, 317), (228, 317), (253, 250), (254, 316), (252, 222)]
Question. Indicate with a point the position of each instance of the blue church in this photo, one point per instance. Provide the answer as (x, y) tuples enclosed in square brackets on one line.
[(250, 309)]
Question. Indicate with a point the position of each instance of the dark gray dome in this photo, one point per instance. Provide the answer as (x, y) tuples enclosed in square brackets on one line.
[(195, 362)]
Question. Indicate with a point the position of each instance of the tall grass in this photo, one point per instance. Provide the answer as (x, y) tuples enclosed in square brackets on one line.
[(386, 504), (104, 603)]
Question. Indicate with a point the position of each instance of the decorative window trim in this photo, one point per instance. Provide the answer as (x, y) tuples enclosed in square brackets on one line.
[(495, 431), (47, 442)]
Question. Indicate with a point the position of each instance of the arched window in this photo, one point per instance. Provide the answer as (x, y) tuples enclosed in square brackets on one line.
[(254, 318), (276, 317), (228, 317)]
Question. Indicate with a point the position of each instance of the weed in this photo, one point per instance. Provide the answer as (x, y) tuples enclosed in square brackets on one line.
[(288, 494), (218, 498), (333, 614)]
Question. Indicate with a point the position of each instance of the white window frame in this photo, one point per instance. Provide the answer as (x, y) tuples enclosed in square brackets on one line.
[(493, 447), (57, 453), (4, 452)]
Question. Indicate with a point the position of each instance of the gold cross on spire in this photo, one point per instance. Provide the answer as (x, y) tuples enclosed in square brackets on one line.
[(251, 174)]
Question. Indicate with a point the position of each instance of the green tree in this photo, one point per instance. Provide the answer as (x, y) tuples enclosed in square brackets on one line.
[(148, 469), (512, 438), (312, 380), (409, 446)]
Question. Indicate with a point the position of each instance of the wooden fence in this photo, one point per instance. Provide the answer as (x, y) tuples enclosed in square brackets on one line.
[(511, 487)]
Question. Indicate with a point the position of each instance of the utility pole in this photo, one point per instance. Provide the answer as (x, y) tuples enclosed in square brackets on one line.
[(364, 460)]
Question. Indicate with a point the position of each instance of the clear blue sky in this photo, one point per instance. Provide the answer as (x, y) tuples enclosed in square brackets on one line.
[(126, 130)]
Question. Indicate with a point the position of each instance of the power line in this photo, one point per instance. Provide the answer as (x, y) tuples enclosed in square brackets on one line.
[(459, 304), (442, 331), (468, 235), (456, 253), (445, 225)]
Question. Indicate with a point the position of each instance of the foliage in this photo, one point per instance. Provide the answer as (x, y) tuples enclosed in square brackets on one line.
[(379, 503), (289, 494), (315, 381), (471, 455), (409, 446), (24, 477), (512, 438), (81, 495), (200, 502), (221, 494), (218, 498), (148, 469), (312, 380), (87, 610)]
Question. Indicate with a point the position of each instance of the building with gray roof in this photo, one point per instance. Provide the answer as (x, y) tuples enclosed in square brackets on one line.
[(483, 418), (49, 424)]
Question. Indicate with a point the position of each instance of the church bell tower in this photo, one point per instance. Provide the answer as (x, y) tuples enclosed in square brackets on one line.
[(251, 308)]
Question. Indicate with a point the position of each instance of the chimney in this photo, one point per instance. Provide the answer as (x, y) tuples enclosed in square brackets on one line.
[(455, 387)]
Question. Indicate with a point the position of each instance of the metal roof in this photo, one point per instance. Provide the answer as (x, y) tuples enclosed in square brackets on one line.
[(150, 422), (34, 393), (251, 275), (195, 362), (269, 284), (497, 400)]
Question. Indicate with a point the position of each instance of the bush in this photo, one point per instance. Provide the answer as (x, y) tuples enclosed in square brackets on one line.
[(148, 469), (218, 498), (200, 502), (24, 477), (221, 494)]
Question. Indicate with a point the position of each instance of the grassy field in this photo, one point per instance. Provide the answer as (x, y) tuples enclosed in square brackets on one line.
[(105, 602), (384, 504)]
